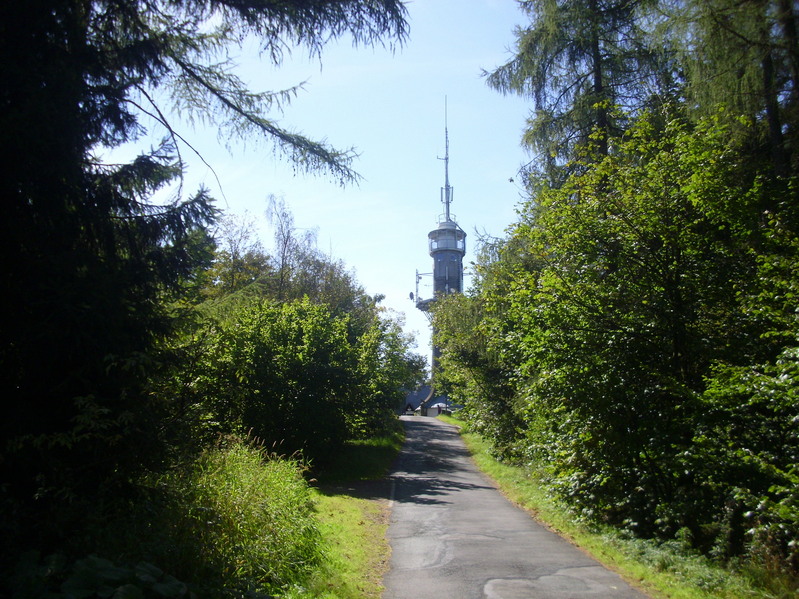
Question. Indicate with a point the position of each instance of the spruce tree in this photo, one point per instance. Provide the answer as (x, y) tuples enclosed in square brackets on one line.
[(578, 60), (745, 57)]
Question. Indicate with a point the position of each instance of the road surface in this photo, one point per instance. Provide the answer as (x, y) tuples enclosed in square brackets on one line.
[(454, 536)]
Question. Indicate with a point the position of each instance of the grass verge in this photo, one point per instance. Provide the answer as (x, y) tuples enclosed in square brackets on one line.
[(353, 517), (369, 459), (356, 551), (235, 522), (660, 569)]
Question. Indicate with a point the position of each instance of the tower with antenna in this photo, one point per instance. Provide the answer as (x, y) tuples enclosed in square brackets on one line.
[(447, 246), (446, 243)]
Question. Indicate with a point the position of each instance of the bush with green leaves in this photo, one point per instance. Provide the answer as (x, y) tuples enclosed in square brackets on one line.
[(286, 372), (474, 370), (633, 300), (386, 370), (298, 376)]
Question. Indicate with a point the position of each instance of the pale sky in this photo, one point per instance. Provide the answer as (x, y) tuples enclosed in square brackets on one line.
[(390, 107)]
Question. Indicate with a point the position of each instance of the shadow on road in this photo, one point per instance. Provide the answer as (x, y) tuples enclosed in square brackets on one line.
[(453, 534), (427, 450), (426, 469)]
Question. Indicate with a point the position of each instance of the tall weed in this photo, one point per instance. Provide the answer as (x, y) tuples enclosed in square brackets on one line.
[(243, 519)]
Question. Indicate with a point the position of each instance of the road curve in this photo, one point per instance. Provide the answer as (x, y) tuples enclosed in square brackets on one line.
[(454, 536)]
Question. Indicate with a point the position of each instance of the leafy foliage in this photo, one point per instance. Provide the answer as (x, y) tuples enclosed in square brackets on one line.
[(292, 374), (613, 351), (283, 371), (473, 371)]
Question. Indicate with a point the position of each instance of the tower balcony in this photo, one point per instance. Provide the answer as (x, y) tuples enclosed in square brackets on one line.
[(447, 237)]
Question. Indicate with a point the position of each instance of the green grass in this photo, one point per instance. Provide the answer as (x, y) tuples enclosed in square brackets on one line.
[(235, 522), (353, 527), (363, 460), (241, 519), (661, 570), (238, 522), (356, 551)]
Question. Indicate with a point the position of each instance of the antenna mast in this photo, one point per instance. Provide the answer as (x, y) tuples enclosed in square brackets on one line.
[(447, 189)]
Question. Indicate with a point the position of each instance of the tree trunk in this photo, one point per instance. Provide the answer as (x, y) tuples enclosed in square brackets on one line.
[(602, 121)]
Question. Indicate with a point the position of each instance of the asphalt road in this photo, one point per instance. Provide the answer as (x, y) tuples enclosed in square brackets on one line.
[(454, 536)]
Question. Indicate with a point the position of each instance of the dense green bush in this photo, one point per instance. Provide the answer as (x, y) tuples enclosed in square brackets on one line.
[(634, 301), (284, 371), (475, 372), (294, 374)]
